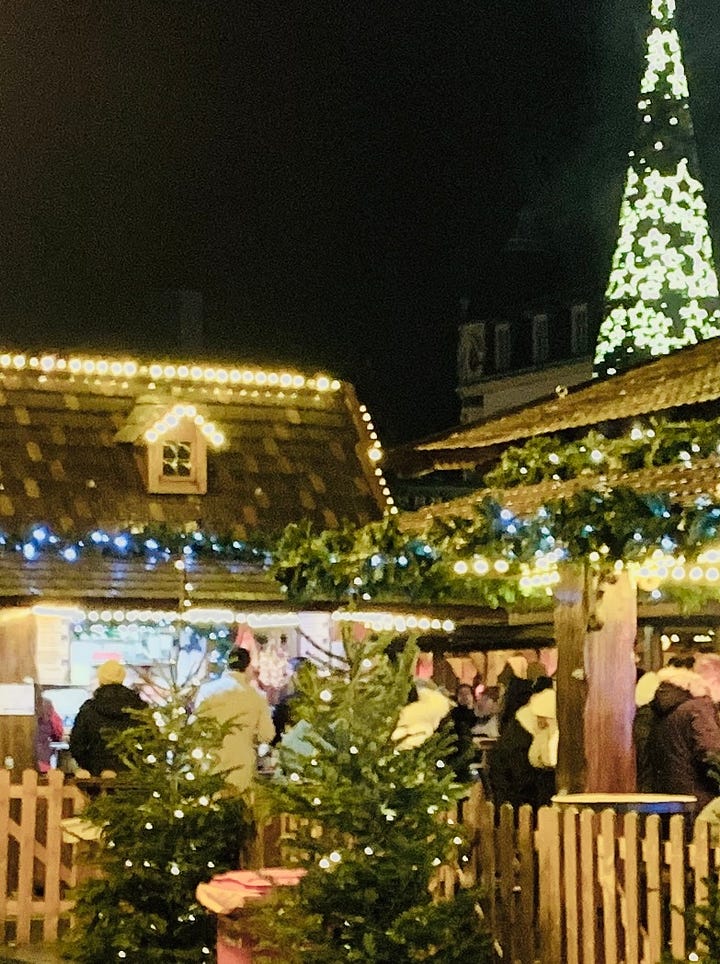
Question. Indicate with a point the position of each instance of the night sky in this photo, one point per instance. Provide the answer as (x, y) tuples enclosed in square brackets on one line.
[(332, 176)]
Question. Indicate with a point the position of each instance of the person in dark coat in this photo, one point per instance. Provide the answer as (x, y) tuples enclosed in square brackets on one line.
[(510, 773), (645, 690), (105, 713), (685, 735), (463, 719)]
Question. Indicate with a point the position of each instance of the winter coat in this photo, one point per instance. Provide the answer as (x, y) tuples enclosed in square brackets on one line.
[(232, 699), (49, 727), (645, 691), (684, 737), (513, 779), (463, 720), (103, 715)]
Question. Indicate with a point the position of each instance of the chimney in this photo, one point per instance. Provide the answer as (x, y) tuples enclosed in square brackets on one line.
[(187, 308)]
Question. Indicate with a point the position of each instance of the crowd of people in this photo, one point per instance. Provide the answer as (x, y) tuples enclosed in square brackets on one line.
[(506, 735)]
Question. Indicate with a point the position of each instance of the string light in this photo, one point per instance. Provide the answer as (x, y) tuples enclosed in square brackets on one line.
[(157, 371), (388, 622), (175, 416)]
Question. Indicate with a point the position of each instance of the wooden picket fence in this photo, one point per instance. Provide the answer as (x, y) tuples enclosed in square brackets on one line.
[(581, 887), (568, 888), (36, 868)]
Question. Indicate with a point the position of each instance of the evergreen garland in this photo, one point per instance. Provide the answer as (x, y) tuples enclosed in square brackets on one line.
[(553, 458), (382, 562)]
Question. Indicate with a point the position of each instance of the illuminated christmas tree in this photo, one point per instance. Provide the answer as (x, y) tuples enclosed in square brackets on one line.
[(364, 772), (663, 289), (167, 826)]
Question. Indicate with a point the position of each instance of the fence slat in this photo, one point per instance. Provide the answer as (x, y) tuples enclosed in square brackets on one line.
[(588, 879), (53, 847), (651, 856), (631, 885), (486, 860), (701, 860), (26, 839), (676, 852), (608, 883), (4, 847), (550, 902), (506, 882), (526, 877), (571, 886)]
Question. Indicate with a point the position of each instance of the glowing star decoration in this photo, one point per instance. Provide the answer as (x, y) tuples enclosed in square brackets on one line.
[(663, 289)]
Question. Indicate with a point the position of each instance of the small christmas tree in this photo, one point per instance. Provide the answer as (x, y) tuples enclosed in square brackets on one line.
[(167, 826), (366, 774), (663, 288)]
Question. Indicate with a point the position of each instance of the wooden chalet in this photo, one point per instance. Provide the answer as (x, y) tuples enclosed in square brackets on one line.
[(135, 491), (594, 668)]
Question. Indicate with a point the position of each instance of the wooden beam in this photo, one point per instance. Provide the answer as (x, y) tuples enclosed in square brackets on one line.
[(571, 615)]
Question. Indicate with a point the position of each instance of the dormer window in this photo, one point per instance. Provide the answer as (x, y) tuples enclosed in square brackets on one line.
[(176, 439), (177, 462)]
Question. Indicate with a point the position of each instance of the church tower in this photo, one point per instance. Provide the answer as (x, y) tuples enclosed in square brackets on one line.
[(663, 288)]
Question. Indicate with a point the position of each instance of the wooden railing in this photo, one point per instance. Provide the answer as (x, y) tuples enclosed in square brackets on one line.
[(576, 888)]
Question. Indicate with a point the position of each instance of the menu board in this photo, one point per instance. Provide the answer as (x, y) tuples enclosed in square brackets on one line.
[(52, 650), (142, 646)]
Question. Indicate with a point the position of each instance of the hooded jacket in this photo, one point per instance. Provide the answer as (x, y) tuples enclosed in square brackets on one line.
[(685, 735), (104, 714)]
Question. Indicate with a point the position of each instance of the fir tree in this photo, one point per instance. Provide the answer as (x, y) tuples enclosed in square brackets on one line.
[(373, 822), (663, 289), (167, 826)]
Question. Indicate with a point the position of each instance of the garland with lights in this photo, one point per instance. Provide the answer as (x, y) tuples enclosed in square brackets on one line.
[(494, 558), (152, 544), (365, 774), (165, 828), (663, 288), (551, 458)]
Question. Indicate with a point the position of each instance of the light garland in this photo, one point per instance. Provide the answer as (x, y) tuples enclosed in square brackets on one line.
[(663, 283), (172, 419), (389, 622), (155, 371), (375, 454), (658, 444), (195, 616), (147, 543)]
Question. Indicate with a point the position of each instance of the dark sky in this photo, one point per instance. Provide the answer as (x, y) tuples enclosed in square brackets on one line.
[(333, 176)]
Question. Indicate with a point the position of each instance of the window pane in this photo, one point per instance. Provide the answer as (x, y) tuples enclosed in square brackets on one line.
[(177, 459)]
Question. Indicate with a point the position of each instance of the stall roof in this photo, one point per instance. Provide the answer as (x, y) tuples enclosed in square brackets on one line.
[(684, 482), (75, 436), (686, 377)]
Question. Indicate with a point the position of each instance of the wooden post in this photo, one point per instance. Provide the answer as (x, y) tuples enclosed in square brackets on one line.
[(610, 706), (571, 616)]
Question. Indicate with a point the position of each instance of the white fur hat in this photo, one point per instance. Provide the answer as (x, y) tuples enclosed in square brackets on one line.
[(544, 704), (645, 688)]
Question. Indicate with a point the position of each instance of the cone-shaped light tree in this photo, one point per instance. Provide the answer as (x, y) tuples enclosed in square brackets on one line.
[(663, 288)]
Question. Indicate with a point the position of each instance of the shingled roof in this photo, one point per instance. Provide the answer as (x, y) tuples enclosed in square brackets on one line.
[(686, 377), (295, 447)]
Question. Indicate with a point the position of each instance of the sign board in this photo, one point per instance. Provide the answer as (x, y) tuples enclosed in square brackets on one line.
[(17, 699)]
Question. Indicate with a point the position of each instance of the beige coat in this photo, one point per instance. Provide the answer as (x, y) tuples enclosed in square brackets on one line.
[(232, 699)]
